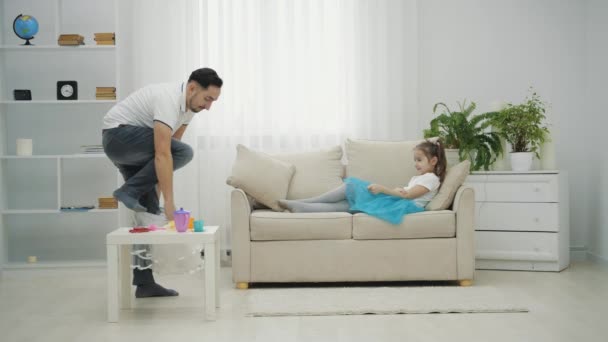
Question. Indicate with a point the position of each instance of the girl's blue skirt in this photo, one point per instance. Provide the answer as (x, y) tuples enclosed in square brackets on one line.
[(382, 206)]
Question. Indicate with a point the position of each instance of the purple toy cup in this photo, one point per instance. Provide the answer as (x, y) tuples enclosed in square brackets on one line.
[(181, 217)]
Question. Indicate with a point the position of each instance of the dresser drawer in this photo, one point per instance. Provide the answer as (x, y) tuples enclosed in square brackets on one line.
[(514, 188), (517, 216), (516, 246)]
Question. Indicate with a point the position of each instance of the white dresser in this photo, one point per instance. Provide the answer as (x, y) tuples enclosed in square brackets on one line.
[(522, 220)]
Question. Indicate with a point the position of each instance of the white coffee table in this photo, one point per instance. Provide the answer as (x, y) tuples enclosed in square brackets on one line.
[(118, 244)]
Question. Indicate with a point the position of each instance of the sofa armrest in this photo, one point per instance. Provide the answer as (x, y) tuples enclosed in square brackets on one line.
[(240, 211), (464, 206)]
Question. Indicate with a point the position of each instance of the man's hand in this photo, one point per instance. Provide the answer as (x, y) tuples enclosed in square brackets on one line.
[(169, 210), (376, 188)]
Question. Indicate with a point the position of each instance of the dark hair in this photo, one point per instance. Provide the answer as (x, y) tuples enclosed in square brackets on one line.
[(206, 77), (435, 149)]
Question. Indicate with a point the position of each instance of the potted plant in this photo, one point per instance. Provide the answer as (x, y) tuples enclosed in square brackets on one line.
[(468, 134), (523, 127)]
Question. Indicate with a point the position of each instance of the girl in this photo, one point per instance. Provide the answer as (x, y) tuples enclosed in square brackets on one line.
[(357, 195)]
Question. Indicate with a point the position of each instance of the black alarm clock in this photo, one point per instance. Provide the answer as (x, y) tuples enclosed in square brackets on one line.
[(67, 90)]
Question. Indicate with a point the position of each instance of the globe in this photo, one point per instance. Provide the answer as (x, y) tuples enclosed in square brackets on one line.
[(25, 27)]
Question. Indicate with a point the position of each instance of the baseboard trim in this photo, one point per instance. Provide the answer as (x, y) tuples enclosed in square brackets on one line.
[(596, 258), (578, 253)]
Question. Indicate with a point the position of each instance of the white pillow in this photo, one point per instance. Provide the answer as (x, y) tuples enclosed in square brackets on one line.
[(316, 172), (261, 176), (454, 178), (390, 163)]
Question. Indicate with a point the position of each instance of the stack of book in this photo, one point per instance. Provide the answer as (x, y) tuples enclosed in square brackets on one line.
[(107, 203), (105, 38), (88, 149), (105, 93), (70, 40)]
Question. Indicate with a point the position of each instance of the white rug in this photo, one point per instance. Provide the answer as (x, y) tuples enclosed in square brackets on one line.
[(379, 300)]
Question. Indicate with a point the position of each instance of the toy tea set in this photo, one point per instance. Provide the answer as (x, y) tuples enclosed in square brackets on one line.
[(182, 222)]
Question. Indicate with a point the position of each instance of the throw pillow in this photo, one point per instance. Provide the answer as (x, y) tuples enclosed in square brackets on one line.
[(453, 180), (316, 172), (390, 163), (261, 176)]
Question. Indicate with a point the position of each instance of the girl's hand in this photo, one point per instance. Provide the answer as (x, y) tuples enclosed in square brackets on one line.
[(375, 188)]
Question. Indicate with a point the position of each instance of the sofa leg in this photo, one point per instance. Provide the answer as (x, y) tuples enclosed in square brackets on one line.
[(242, 286), (465, 282)]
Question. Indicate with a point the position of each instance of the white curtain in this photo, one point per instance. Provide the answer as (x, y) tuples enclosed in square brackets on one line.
[(298, 75)]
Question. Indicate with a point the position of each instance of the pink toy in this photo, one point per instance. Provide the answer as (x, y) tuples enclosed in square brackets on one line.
[(154, 227)]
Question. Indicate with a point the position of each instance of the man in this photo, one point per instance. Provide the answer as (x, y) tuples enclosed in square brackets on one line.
[(141, 135)]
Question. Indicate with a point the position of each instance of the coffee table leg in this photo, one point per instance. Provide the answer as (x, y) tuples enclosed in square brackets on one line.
[(112, 267), (125, 276), (210, 270)]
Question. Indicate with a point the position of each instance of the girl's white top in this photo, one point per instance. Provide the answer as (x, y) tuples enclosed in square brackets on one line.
[(428, 180)]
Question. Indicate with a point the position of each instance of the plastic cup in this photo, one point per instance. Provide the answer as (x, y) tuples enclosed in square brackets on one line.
[(198, 226), (181, 218)]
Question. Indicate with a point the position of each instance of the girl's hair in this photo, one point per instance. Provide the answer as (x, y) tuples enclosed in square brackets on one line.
[(435, 149)]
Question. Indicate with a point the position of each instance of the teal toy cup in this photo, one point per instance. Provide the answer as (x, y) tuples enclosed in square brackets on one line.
[(198, 225)]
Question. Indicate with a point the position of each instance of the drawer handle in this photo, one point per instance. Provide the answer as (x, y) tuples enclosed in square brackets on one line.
[(536, 189), (536, 219)]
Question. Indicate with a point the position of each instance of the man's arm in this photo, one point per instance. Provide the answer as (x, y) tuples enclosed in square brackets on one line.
[(163, 161), (180, 132)]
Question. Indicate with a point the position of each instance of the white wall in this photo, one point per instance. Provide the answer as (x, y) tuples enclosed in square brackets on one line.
[(491, 50), (597, 73)]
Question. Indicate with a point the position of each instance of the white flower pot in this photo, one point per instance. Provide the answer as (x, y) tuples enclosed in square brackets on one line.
[(451, 156), (521, 161)]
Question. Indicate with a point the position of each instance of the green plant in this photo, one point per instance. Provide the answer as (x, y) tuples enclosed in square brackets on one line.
[(523, 125), (467, 133)]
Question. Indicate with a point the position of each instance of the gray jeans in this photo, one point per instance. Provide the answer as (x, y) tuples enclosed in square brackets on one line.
[(131, 149)]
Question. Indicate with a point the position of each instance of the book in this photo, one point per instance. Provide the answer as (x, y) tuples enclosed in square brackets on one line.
[(70, 42), (107, 203), (105, 42), (110, 35), (88, 149), (71, 37), (79, 208), (105, 89)]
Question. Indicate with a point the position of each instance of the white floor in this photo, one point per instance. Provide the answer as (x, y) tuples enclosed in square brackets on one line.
[(70, 305)]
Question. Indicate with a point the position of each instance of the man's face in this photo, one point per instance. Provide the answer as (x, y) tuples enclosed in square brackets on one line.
[(199, 98)]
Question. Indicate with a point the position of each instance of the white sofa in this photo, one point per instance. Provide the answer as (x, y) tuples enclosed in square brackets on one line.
[(273, 246)]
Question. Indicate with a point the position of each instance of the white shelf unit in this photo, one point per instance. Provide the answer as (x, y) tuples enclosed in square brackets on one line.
[(521, 220), (58, 47), (67, 156), (63, 103), (34, 188)]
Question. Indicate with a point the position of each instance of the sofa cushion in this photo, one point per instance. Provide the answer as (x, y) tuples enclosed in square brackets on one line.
[(453, 180), (427, 224), (268, 225), (261, 176), (316, 172), (383, 162)]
